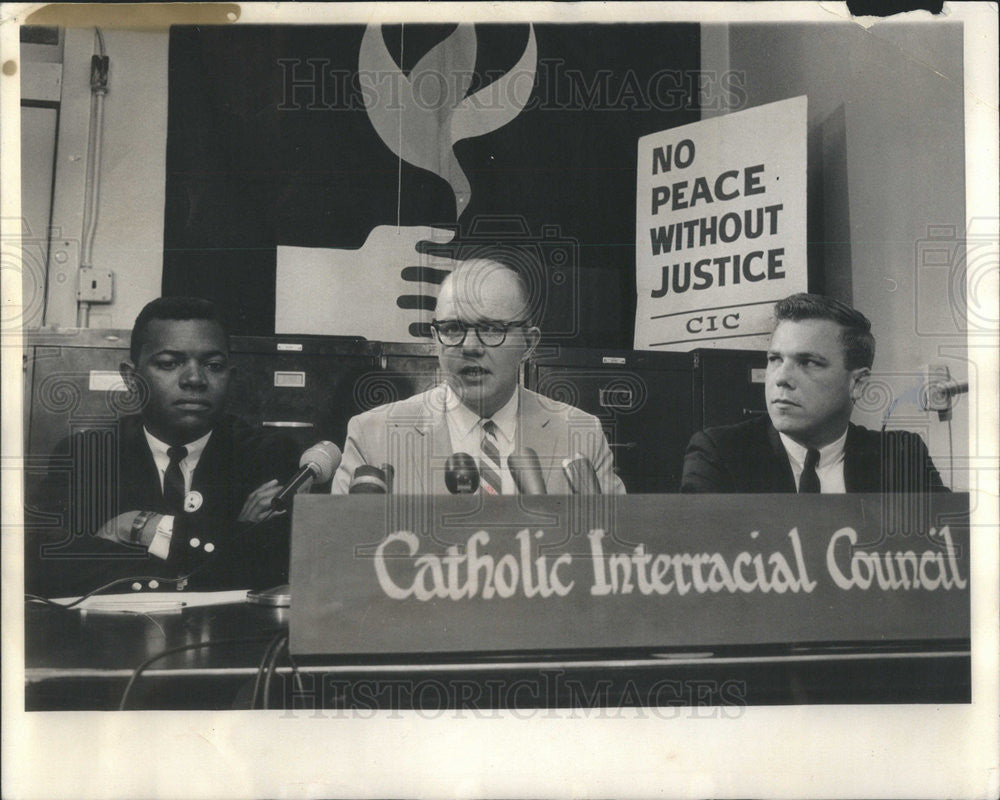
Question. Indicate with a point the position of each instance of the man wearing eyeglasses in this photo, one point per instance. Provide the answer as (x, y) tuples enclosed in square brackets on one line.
[(482, 324)]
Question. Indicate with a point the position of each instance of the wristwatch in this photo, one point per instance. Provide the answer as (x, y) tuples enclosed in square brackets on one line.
[(138, 524)]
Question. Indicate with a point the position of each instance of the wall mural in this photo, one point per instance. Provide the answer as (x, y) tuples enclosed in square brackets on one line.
[(325, 179)]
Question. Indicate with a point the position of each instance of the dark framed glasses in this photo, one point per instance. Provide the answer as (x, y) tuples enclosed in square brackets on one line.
[(452, 332)]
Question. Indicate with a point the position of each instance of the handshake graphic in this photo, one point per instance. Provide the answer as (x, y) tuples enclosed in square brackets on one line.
[(387, 289)]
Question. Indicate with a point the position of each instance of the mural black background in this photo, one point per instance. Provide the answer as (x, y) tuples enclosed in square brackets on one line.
[(251, 165)]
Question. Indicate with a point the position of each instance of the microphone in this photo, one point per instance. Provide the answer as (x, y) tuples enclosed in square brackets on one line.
[(390, 474), (319, 462), (581, 475), (461, 475), (940, 390), (369, 479), (526, 471), (942, 394), (950, 388)]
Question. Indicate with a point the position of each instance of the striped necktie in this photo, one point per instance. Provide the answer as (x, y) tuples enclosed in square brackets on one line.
[(490, 461)]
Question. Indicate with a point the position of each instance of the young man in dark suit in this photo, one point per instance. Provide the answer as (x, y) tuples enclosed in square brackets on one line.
[(182, 487), (820, 354)]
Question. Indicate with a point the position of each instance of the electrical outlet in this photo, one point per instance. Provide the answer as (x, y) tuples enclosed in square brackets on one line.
[(931, 397), (95, 286)]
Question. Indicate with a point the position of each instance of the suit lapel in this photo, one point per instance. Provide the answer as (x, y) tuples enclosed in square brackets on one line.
[(421, 445), (210, 475), (535, 430), (857, 477), (779, 469), (137, 469)]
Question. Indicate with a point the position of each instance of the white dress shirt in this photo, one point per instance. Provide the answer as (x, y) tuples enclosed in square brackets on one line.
[(160, 546), (465, 428), (188, 464), (829, 470)]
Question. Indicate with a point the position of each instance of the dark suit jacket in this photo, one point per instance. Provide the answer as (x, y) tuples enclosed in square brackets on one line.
[(750, 458), (97, 474)]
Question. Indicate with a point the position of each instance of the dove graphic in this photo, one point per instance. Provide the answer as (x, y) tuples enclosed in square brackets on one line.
[(421, 117)]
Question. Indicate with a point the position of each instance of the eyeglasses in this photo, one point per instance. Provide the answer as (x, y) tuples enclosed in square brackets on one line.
[(452, 332)]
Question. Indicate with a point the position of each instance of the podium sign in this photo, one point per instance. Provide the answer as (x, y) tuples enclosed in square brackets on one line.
[(529, 574)]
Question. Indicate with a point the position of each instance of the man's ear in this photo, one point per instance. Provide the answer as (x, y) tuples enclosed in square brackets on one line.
[(127, 370), (859, 377), (532, 336)]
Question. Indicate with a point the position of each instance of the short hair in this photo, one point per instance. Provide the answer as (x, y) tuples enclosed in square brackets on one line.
[(855, 328), (480, 261), (180, 308)]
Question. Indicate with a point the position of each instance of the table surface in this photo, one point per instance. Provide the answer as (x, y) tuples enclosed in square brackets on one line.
[(59, 641), (82, 660)]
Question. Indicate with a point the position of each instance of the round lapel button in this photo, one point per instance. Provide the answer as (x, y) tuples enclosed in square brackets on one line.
[(193, 501)]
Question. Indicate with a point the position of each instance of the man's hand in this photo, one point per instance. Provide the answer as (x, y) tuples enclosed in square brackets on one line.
[(119, 529), (258, 503)]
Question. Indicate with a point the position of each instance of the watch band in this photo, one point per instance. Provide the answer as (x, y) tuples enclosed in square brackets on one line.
[(138, 524)]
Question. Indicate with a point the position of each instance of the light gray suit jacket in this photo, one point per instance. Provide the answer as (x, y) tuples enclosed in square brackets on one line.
[(412, 435)]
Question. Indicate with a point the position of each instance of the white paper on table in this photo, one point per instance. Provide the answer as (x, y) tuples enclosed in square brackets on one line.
[(148, 602)]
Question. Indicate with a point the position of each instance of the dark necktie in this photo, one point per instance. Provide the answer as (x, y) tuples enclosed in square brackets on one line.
[(809, 480), (173, 479), (490, 466)]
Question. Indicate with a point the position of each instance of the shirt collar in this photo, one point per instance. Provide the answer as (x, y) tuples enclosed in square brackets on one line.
[(465, 419), (194, 449), (828, 454)]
